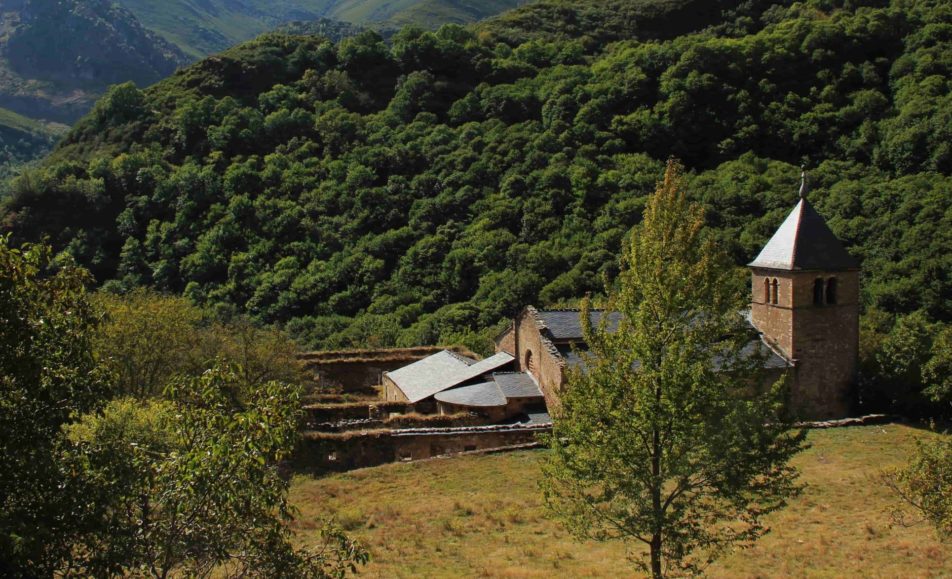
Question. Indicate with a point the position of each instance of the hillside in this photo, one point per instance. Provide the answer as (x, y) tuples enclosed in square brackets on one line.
[(421, 192), (203, 28), (482, 516), (23, 139)]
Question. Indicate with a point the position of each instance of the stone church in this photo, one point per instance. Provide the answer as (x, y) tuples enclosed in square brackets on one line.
[(804, 306), (804, 313)]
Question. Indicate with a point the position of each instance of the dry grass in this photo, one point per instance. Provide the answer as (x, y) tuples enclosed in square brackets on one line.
[(480, 516)]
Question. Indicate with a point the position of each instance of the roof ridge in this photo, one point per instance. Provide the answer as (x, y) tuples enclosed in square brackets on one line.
[(465, 359), (797, 230)]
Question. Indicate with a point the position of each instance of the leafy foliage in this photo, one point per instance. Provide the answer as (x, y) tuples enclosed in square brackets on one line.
[(925, 485), (48, 377), (193, 486), (669, 435), (183, 482), (191, 341), (372, 194)]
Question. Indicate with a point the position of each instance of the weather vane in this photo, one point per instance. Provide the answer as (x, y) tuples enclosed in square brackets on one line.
[(804, 186)]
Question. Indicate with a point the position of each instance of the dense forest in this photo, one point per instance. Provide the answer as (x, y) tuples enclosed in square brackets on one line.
[(421, 191)]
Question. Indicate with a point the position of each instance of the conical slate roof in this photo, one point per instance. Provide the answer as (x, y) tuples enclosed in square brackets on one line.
[(804, 242)]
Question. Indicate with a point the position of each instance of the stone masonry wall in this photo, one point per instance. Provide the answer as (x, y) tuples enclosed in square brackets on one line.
[(321, 453), (822, 341), (546, 367)]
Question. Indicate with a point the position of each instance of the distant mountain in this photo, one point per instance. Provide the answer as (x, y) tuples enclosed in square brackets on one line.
[(57, 57), (333, 30), (203, 27)]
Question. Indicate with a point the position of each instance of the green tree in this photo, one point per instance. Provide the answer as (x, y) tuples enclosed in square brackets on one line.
[(48, 378), (191, 485), (191, 342), (925, 484), (670, 436)]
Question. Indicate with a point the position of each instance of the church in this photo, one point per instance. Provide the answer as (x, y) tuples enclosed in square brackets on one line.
[(804, 311)]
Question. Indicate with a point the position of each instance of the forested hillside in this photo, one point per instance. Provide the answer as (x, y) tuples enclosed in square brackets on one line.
[(365, 194)]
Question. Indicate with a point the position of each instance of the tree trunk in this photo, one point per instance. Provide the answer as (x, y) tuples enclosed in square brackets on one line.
[(656, 557), (656, 506)]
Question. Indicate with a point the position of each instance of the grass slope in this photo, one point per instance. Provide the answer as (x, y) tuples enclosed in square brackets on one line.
[(16, 122), (481, 516)]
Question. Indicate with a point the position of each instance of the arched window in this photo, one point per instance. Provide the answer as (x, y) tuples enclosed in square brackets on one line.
[(766, 290), (775, 291), (831, 290), (818, 292), (529, 366)]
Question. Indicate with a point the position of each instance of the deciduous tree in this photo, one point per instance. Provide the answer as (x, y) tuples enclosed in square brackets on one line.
[(668, 435)]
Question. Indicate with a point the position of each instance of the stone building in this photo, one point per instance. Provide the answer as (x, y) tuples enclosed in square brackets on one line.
[(805, 308), (806, 303), (449, 383)]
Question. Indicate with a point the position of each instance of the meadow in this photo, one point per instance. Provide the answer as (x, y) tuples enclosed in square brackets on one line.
[(481, 516)]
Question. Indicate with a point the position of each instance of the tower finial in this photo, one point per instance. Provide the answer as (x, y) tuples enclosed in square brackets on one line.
[(804, 182)]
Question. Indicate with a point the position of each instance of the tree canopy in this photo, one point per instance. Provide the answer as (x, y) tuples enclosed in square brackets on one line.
[(670, 434)]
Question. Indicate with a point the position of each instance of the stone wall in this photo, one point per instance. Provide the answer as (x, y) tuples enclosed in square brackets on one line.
[(322, 452), (532, 349), (821, 340), (316, 414)]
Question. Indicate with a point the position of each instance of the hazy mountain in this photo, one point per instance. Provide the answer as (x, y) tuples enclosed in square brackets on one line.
[(202, 27), (57, 56)]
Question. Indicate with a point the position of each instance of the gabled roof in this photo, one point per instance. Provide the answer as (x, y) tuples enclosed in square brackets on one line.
[(804, 242), (567, 324), (442, 371), (756, 347)]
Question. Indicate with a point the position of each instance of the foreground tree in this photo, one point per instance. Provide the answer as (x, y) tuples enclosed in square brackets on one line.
[(925, 484), (48, 378), (670, 436), (183, 484), (191, 485)]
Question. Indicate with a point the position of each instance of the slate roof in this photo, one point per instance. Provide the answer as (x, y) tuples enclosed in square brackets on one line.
[(517, 385), (804, 242), (442, 371), (486, 394), (567, 324), (772, 359)]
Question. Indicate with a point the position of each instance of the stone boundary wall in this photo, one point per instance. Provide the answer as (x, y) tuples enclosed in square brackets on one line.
[(315, 414), (338, 452), (867, 420), (359, 371)]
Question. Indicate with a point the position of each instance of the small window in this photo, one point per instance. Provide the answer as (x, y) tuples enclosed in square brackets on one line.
[(775, 291), (469, 448), (530, 365), (831, 290), (818, 292), (766, 290)]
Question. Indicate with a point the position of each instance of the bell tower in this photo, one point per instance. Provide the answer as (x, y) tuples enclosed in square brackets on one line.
[(806, 304)]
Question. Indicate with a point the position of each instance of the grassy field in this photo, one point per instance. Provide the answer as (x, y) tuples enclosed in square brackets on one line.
[(480, 516)]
